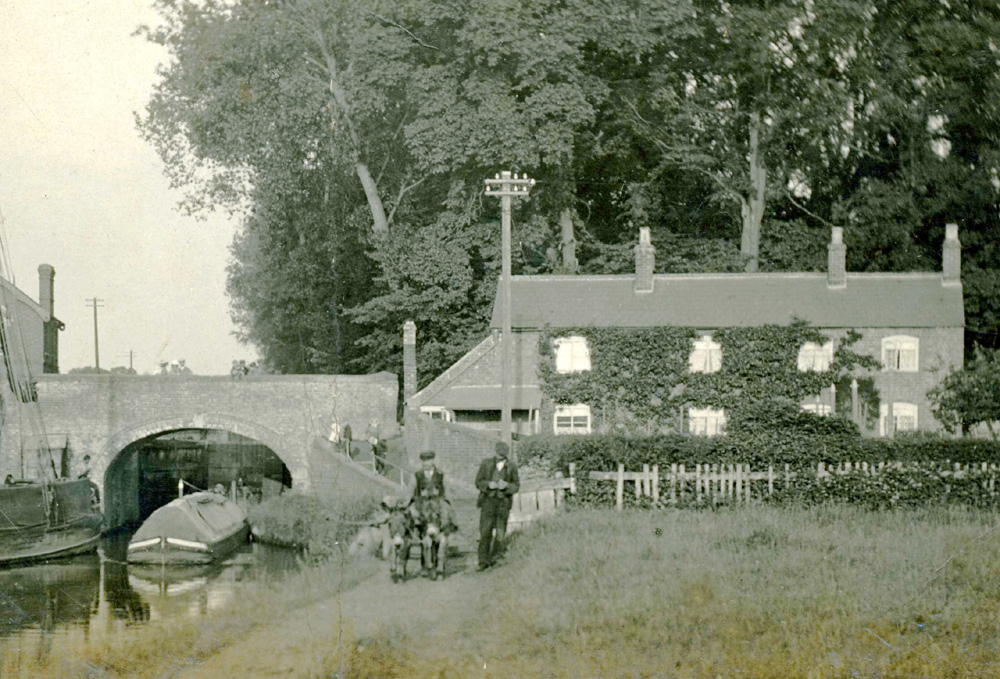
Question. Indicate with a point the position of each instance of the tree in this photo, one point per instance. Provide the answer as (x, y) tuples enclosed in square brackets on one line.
[(755, 100), (970, 396)]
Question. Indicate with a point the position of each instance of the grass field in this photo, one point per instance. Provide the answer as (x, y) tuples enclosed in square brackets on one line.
[(759, 592), (756, 592)]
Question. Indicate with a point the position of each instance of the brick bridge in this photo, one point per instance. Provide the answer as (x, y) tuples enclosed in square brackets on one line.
[(292, 415)]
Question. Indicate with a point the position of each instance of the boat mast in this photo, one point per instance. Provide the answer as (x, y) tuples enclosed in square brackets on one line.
[(19, 378)]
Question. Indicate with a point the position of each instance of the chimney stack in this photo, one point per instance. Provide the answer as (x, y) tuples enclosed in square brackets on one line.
[(46, 282), (836, 272), (409, 361), (645, 258), (951, 256)]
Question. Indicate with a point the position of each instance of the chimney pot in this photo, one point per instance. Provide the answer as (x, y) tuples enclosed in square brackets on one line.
[(645, 260), (836, 273), (951, 256)]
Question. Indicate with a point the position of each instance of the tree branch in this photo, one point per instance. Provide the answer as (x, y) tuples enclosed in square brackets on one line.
[(399, 197), (402, 28), (807, 210)]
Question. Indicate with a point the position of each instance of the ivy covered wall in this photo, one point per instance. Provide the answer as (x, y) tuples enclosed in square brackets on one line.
[(640, 379)]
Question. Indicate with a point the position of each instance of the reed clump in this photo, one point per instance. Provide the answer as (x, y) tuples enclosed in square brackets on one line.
[(320, 526)]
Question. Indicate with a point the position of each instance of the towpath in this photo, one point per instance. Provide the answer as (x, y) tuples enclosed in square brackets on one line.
[(301, 643)]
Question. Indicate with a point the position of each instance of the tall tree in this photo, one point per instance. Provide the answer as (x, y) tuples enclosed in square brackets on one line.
[(758, 98)]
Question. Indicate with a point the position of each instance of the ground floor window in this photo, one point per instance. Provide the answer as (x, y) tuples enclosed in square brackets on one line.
[(904, 418), (821, 409), (707, 421), (437, 413), (572, 419)]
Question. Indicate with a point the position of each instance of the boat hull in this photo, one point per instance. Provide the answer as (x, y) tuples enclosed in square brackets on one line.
[(179, 552), (196, 529), (75, 527)]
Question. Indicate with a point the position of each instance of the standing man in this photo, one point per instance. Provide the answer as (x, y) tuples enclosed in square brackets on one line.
[(497, 482)]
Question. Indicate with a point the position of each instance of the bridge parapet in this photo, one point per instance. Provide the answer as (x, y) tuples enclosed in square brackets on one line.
[(100, 415)]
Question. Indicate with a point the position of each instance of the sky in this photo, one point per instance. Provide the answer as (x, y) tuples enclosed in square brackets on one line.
[(80, 190)]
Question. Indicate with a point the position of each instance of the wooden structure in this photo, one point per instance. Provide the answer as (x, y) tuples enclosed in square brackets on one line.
[(539, 498), (734, 483)]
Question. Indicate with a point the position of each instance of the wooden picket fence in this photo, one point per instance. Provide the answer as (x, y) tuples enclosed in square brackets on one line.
[(718, 483), (538, 498)]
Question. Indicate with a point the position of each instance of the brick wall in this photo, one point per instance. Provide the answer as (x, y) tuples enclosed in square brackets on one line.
[(100, 415), (459, 450)]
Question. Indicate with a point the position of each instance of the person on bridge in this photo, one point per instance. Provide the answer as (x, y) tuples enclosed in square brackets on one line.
[(85, 472), (497, 481)]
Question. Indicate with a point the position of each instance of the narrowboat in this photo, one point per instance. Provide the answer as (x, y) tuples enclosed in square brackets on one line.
[(48, 519), (195, 529)]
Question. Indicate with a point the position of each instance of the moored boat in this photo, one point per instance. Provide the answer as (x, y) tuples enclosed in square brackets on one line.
[(48, 520), (195, 529)]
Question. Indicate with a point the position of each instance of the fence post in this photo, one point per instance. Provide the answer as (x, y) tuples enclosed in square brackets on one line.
[(180, 488), (770, 479), (739, 482), (647, 482), (697, 483), (788, 475), (656, 484), (620, 488), (673, 482), (572, 477)]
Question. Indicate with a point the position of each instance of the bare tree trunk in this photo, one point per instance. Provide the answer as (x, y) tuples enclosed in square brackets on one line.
[(752, 208), (569, 261), (379, 223)]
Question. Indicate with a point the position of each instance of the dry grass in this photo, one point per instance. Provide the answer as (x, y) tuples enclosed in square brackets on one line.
[(763, 592)]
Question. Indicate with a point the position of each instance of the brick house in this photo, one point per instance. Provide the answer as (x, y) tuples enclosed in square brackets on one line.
[(36, 322), (912, 322)]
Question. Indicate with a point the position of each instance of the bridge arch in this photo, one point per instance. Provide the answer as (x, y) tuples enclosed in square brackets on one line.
[(115, 445)]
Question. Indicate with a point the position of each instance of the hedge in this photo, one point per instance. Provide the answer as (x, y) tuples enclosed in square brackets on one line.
[(802, 443)]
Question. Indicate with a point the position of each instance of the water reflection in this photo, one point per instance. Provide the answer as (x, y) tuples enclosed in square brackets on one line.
[(73, 601)]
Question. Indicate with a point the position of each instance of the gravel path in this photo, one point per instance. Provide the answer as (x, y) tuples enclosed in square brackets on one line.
[(301, 643)]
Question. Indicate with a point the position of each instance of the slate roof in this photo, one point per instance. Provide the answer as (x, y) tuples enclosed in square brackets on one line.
[(870, 300)]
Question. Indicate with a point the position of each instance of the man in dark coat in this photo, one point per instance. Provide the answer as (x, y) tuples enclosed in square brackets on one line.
[(428, 484), (497, 481)]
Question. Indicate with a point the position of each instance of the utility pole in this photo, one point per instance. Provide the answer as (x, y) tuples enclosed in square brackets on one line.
[(506, 187), (95, 303), (130, 354)]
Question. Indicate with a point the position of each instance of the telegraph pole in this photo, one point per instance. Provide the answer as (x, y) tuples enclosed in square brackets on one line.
[(131, 354), (95, 302), (506, 187)]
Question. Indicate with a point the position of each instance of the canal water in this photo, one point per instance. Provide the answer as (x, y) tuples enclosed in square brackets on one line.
[(78, 600)]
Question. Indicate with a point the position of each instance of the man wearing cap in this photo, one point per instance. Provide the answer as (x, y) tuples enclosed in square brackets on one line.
[(428, 483), (497, 481)]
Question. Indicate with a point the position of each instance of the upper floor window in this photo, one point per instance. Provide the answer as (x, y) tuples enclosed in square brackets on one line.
[(572, 354), (572, 419), (901, 353), (706, 356), (904, 417), (707, 421), (815, 357)]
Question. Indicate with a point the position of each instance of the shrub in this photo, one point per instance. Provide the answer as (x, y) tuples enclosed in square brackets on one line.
[(801, 440), (311, 523)]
